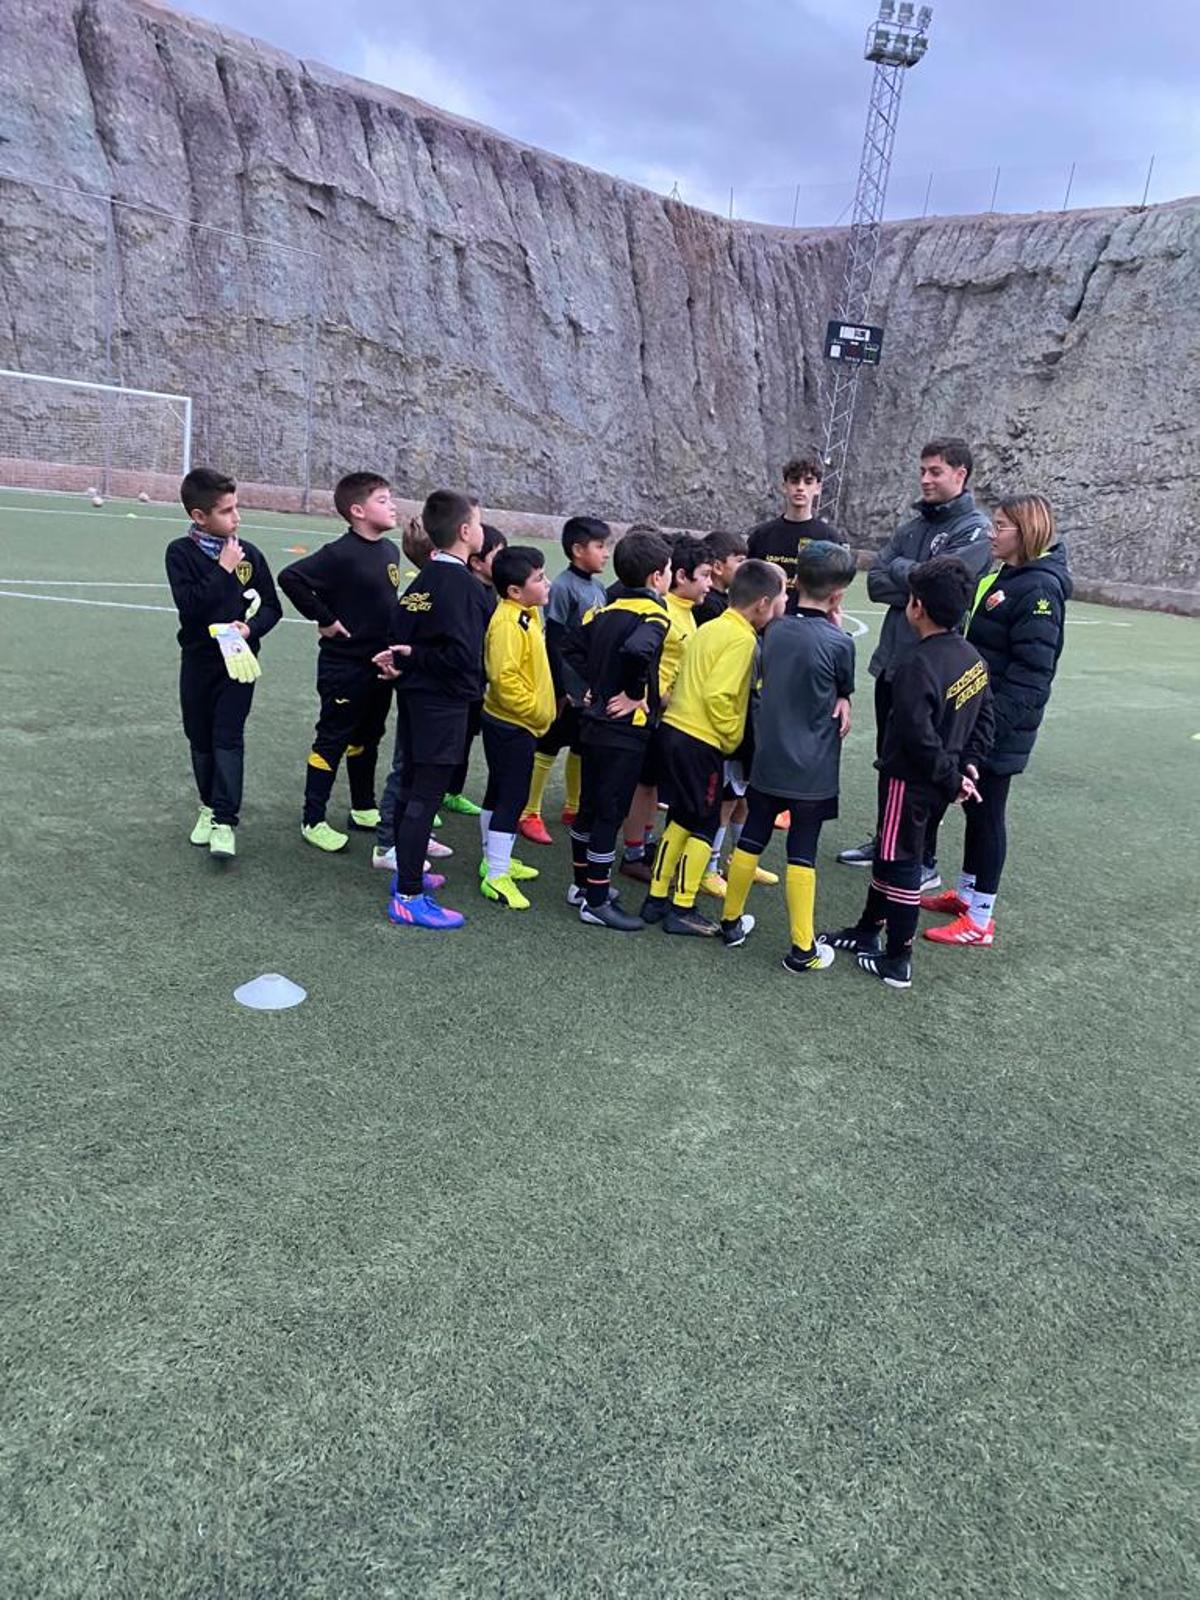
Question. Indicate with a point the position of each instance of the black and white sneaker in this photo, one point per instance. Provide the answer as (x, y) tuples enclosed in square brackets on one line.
[(931, 878), (737, 932), (895, 971), (613, 915), (690, 922), (578, 897), (853, 938), (814, 960), (860, 855), (654, 910)]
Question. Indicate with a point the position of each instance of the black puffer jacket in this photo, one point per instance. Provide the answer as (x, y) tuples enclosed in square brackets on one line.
[(1017, 627)]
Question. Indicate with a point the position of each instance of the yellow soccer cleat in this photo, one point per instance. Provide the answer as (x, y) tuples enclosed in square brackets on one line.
[(202, 832), (323, 836), (714, 884), (223, 842), (504, 892), (769, 879)]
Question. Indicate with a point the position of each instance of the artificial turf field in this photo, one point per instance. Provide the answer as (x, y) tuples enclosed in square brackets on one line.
[(537, 1261)]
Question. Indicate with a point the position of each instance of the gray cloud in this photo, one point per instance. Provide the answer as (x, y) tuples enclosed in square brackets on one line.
[(772, 94)]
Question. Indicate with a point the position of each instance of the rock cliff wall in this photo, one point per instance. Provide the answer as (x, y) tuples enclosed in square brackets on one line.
[(423, 293)]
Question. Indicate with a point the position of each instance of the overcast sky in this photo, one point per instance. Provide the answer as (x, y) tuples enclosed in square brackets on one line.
[(768, 95)]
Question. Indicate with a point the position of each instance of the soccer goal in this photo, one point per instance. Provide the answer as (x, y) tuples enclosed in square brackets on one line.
[(63, 433)]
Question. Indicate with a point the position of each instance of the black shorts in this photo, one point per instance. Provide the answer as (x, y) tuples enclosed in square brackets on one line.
[(653, 773), (436, 728), (903, 821), (694, 771), (564, 730)]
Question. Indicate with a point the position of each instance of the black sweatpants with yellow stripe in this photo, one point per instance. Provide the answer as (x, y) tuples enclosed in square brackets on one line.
[(353, 716)]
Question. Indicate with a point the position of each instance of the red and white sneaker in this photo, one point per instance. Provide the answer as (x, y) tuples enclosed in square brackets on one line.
[(532, 827), (949, 903), (961, 931)]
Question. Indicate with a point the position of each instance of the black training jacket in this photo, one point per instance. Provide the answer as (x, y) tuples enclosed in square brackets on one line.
[(353, 581), (616, 649), (204, 592), (444, 614), (941, 717), (1017, 627)]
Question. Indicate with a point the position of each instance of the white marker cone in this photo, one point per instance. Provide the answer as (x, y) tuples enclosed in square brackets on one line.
[(270, 992)]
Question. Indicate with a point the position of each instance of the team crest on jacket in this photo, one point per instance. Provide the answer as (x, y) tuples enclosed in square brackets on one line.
[(243, 572), (1042, 609), (994, 599), (393, 575)]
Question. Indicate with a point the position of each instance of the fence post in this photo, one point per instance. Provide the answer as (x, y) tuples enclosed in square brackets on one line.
[(309, 387), (995, 191), (1149, 175), (928, 192), (731, 202), (796, 206), (1070, 182)]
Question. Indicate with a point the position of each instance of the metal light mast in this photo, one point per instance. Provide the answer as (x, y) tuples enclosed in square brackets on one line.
[(895, 42)]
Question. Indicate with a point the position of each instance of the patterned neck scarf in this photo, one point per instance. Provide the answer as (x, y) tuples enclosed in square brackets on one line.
[(208, 542)]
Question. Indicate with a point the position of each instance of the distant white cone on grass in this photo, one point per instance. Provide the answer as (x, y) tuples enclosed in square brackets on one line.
[(97, 499), (270, 992)]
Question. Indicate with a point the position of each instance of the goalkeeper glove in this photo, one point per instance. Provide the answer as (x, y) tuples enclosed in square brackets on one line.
[(240, 661), (253, 601)]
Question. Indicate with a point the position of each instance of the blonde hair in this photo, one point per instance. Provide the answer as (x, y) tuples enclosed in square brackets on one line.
[(1033, 519)]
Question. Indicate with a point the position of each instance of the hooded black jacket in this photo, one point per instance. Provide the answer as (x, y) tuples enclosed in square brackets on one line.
[(1017, 627)]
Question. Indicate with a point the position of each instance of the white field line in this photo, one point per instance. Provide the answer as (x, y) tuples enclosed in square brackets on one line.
[(110, 605), (78, 583), (143, 516)]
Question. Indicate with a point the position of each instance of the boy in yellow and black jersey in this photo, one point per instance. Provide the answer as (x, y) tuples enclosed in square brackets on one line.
[(518, 707), (703, 725), (616, 653)]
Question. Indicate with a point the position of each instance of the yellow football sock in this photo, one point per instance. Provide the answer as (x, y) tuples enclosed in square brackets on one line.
[(572, 779), (692, 867), (739, 880), (543, 766), (670, 848), (801, 892)]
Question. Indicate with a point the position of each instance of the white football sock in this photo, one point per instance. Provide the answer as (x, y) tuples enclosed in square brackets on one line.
[(499, 848), (982, 906)]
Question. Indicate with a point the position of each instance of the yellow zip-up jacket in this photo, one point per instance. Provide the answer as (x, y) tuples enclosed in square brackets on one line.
[(681, 631), (520, 688), (712, 692)]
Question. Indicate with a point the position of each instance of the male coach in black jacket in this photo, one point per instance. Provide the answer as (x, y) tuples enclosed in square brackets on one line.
[(947, 523)]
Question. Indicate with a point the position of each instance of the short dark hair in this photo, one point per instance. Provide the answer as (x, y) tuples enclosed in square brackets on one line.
[(806, 465), (638, 555), (944, 588), (954, 452), (514, 565), (444, 514), (822, 567), (203, 487), (754, 580), (493, 539), (644, 527), (687, 553), (354, 488), (721, 544), (583, 530)]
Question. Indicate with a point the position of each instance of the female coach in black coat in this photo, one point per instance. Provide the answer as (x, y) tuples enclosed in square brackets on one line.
[(1017, 627)]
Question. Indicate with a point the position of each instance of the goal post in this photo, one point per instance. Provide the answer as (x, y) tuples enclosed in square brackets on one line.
[(69, 434)]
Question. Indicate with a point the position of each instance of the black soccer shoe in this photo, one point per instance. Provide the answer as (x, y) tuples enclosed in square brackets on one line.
[(613, 915), (895, 971), (860, 855), (853, 938), (736, 932), (691, 923), (653, 910), (814, 960)]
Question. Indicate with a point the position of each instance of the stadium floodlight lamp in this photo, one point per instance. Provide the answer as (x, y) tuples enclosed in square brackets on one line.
[(906, 15), (916, 49), (924, 18), (887, 10)]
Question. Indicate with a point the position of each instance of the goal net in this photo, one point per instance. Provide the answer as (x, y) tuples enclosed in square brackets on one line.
[(62, 433)]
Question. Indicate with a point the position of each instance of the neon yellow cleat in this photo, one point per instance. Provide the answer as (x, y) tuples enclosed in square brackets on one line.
[(761, 875), (504, 892), (323, 836), (202, 832), (714, 884), (223, 842), (365, 821), (517, 871)]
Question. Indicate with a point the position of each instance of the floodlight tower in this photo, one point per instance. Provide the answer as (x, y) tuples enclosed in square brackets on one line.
[(895, 42)]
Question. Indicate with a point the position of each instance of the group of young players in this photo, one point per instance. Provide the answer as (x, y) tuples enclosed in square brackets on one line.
[(712, 679)]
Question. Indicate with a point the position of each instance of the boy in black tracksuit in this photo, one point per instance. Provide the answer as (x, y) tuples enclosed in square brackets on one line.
[(348, 588), (436, 653), (616, 652), (938, 732), (216, 581)]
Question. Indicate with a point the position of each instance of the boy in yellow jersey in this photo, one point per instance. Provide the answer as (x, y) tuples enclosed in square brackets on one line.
[(704, 724), (518, 707), (691, 576)]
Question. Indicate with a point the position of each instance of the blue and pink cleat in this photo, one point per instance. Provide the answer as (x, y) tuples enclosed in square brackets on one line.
[(422, 911)]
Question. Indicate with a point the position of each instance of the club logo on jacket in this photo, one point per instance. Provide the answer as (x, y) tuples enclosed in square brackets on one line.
[(994, 599), (939, 539), (1042, 609), (417, 602), (393, 574), (243, 572)]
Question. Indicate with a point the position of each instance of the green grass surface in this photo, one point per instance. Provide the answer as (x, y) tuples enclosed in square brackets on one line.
[(532, 1261)]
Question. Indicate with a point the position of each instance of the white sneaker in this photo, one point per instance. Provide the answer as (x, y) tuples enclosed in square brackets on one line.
[(385, 860), (438, 851)]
